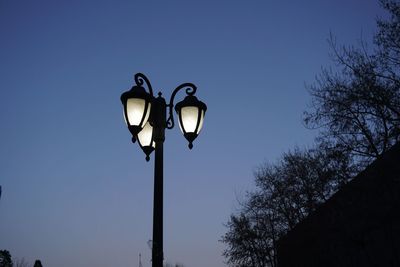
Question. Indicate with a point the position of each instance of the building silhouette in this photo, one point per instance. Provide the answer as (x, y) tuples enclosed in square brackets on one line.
[(357, 226)]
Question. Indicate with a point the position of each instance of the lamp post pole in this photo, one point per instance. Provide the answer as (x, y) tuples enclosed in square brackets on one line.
[(146, 118), (159, 124)]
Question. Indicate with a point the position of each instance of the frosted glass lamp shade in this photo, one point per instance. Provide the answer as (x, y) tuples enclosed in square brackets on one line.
[(191, 113), (190, 118), (137, 107), (146, 142)]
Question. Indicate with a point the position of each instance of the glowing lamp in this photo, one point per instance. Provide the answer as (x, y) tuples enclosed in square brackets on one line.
[(191, 113), (137, 106), (146, 141)]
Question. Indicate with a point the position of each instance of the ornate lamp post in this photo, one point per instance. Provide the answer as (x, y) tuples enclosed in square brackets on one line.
[(146, 118)]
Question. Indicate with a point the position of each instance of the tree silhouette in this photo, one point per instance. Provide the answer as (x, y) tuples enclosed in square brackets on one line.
[(21, 263), (358, 107), (5, 259), (357, 110), (37, 264), (287, 192)]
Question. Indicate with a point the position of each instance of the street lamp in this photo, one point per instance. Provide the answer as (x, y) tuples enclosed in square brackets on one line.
[(146, 118), (137, 104)]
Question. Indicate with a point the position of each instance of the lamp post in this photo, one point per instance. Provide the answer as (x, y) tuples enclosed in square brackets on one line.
[(146, 118)]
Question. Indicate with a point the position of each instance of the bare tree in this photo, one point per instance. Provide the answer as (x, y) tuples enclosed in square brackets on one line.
[(357, 108), (287, 192), (21, 263)]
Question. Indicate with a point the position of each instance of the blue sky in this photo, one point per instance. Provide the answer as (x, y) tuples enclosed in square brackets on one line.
[(76, 191)]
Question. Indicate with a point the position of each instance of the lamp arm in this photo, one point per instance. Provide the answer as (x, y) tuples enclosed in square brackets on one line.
[(140, 78), (190, 90)]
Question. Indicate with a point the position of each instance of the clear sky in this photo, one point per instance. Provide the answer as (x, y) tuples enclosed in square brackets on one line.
[(76, 191)]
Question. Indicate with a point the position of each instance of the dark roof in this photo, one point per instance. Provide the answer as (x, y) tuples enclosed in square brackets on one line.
[(351, 222)]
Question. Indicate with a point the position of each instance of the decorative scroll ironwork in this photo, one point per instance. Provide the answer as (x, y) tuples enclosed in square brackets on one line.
[(140, 78), (190, 89)]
